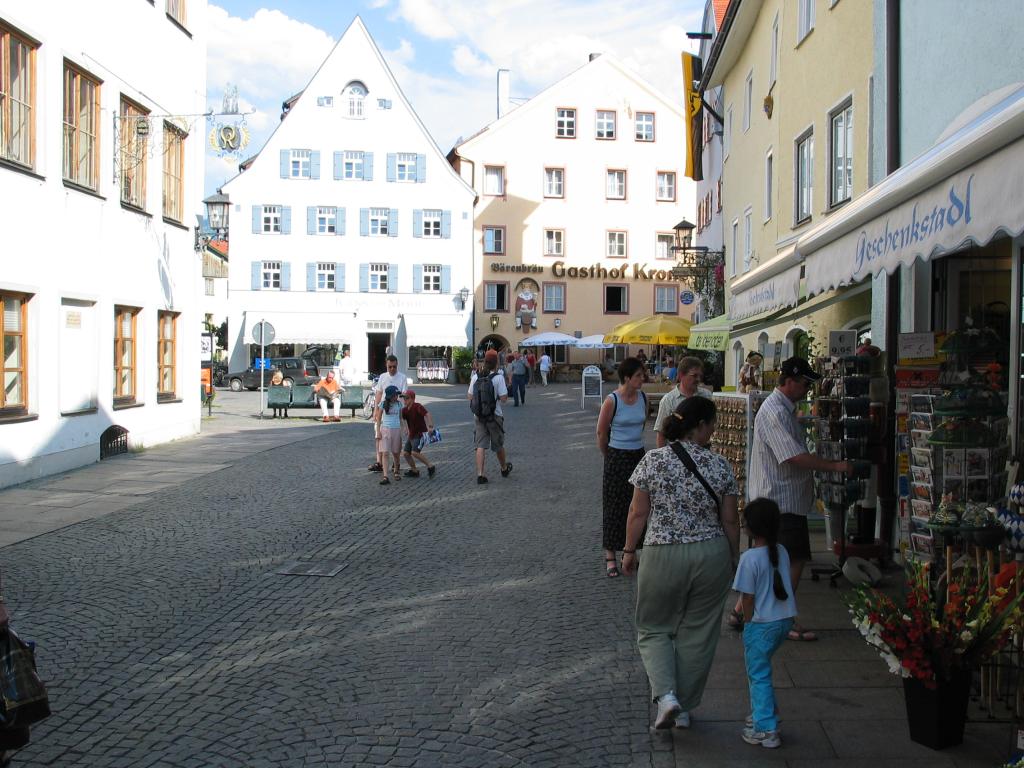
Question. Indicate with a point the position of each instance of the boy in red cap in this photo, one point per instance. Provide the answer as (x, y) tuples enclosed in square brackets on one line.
[(418, 423)]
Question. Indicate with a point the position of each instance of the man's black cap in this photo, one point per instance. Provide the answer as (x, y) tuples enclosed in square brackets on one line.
[(797, 366)]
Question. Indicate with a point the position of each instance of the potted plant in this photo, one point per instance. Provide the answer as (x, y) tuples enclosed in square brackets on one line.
[(934, 646), (462, 360)]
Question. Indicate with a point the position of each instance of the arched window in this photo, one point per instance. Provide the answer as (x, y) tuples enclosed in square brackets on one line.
[(798, 343), (762, 344), (354, 96), (737, 361)]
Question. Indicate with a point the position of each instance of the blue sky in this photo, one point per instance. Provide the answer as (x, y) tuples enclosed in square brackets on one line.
[(444, 53)]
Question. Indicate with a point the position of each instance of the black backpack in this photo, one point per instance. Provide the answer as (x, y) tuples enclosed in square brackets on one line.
[(484, 400)]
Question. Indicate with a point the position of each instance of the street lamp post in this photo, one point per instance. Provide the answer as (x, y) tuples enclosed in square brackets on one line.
[(698, 264)]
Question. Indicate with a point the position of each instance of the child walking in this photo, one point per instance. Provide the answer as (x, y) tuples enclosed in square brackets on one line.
[(389, 420), (762, 579), (418, 423)]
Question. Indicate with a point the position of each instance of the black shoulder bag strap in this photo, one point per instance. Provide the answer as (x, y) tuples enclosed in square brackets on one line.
[(691, 465)]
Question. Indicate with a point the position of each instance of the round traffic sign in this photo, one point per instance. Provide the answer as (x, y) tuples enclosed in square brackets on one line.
[(686, 297), (263, 333)]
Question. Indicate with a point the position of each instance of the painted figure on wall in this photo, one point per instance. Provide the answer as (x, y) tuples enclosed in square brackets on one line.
[(526, 304)]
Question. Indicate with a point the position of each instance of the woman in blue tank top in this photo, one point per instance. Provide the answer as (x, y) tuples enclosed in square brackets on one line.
[(620, 438)]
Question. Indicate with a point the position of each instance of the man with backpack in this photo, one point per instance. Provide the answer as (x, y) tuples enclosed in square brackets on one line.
[(487, 391)]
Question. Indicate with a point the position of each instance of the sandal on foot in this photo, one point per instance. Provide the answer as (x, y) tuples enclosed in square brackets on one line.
[(611, 571), (735, 620), (507, 470), (412, 473), (431, 470), (801, 634), (375, 467), (384, 481)]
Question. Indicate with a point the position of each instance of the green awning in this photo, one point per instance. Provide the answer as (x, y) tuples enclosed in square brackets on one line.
[(711, 335)]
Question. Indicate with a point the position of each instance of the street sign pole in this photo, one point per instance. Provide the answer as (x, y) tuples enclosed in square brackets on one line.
[(263, 338)]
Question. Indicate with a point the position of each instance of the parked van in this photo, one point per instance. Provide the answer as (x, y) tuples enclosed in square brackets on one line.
[(296, 371)]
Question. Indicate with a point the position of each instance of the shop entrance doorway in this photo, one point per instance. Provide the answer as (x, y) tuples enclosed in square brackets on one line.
[(377, 351)]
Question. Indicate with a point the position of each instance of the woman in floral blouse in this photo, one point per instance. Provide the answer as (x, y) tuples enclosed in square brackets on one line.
[(690, 548)]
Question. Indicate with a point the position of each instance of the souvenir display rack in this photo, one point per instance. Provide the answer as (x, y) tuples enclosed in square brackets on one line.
[(735, 431)]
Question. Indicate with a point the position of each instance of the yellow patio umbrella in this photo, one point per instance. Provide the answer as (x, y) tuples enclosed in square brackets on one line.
[(654, 329)]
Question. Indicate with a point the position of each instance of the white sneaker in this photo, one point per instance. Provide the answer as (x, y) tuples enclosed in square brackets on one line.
[(668, 708), (683, 720), (767, 739)]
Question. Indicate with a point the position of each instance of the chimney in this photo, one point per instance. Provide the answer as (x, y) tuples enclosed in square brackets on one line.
[(504, 99), (593, 56)]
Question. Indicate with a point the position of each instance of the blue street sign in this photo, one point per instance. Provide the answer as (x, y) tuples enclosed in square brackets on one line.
[(262, 362), (686, 297)]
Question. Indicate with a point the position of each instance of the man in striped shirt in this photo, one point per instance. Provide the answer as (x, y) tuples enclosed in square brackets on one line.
[(781, 467)]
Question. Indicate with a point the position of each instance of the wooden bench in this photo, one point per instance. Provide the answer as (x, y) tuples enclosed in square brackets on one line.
[(352, 399), (654, 395)]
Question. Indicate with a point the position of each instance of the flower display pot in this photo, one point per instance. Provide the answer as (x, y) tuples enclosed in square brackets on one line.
[(936, 716)]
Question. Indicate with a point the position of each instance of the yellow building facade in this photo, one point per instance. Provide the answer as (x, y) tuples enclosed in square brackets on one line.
[(796, 84)]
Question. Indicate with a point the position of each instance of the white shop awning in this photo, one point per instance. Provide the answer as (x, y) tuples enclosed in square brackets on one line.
[(773, 285), (966, 189), (451, 330), (304, 327)]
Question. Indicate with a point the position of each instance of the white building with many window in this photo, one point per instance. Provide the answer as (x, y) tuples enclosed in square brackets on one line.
[(579, 191), (101, 166), (350, 229)]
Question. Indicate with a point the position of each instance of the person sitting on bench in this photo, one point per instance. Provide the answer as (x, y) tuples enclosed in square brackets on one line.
[(329, 391)]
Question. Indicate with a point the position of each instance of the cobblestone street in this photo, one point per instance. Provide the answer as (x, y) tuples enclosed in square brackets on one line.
[(470, 625)]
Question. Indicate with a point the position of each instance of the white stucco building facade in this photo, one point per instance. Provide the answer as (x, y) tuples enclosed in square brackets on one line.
[(579, 191), (350, 228), (101, 168)]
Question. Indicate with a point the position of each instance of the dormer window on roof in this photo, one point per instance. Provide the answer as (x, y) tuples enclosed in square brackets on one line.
[(354, 95)]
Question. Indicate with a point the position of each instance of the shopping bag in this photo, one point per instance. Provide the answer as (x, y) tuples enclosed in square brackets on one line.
[(23, 698), (434, 435)]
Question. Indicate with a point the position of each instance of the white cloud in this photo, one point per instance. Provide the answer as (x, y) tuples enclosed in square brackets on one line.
[(427, 19), (378, 3), (468, 64), (404, 54)]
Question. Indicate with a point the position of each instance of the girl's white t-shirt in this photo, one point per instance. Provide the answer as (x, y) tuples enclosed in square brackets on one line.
[(754, 577)]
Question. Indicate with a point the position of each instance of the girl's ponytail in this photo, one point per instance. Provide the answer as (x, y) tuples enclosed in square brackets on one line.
[(773, 557), (763, 519)]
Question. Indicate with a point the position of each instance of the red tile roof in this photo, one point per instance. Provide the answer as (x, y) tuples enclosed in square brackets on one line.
[(220, 246), (721, 6)]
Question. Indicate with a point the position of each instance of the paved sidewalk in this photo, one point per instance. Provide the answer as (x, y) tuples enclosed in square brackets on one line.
[(469, 625)]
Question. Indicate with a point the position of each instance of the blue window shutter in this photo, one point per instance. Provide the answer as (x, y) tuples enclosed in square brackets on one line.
[(285, 157), (310, 220), (339, 227), (421, 168), (417, 223), (417, 278), (392, 278), (310, 275), (286, 276), (392, 222), (392, 166), (314, 164), (368, 166), (488, 241), (339, 278), (364, 278), (286, 219), (339, 158), (257, 215), (364, 222), (446, 279), (257, 275), (446, 224)]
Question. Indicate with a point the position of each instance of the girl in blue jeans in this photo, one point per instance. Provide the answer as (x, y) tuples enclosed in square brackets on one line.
[(762, 579)]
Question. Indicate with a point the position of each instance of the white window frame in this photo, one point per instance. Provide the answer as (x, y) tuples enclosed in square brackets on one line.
[(803, 204), (554, 182), (271, 220), (773, 61), (748, 100), (616, 244), (604, 124), (326, 220), (804, 20), (614, 187), (840, 150), (669, 240), (299, 163), (641, 124), (625, 299), (491, 297), (735, 246), (405, 166), (379, 222), (554, 242), (555, 300), (748, 238), (431, 224), (492, 172), (663, 193), (665, 300), (378, 278), (352, 168), (769, 174), (17, 128), (498, 239), (209, 286), (326, 275), (431, 278), (355, 94), (565, 122), (270, 277)]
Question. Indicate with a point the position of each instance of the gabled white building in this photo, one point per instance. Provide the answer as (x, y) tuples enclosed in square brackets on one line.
[(579, 191), (350, 228), (101, 165)]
